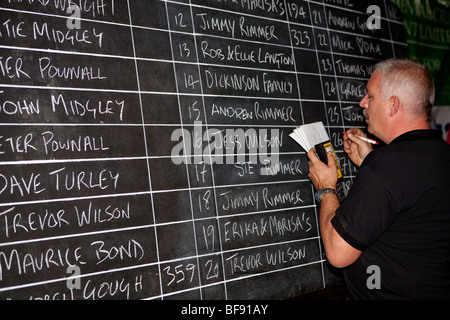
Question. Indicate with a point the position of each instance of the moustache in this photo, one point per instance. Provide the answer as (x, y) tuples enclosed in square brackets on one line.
[(366, 114)]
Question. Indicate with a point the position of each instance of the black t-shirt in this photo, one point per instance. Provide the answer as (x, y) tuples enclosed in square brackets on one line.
[(398, 213)]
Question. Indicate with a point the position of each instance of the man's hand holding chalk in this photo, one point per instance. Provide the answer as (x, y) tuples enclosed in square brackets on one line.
[(356, 145)]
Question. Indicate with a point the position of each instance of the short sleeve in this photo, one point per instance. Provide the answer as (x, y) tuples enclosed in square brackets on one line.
[(366, 212)]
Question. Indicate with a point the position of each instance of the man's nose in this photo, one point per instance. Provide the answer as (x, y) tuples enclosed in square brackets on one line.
[(364, 103)]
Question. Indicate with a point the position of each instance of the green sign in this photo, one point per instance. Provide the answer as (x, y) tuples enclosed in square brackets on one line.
[(427, 25)]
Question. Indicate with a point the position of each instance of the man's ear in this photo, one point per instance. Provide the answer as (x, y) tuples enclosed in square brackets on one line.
[(394, 105)]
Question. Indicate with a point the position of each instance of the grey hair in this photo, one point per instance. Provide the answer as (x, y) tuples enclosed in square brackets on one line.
[(410, 82)]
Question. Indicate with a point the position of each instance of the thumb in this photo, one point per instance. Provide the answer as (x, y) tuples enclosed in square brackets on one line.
[(330, 159)]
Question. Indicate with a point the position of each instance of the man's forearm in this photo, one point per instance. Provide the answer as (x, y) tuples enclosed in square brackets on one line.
[(328, 207), (339, 253)]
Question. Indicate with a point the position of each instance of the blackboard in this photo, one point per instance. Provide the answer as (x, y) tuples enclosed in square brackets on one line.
[(146, 143)]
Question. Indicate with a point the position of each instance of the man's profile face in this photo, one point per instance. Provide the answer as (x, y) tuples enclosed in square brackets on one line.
[(373, 105)]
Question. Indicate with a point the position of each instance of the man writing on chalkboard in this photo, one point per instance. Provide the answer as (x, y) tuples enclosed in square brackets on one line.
[(392, 232)]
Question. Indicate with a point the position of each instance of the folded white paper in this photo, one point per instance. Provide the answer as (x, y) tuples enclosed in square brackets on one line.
[(308, 135)]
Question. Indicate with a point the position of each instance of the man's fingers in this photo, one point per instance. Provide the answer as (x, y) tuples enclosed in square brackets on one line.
[(312, 155)]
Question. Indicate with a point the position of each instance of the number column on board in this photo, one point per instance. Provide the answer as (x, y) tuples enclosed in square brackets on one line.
[(171, 96), (202, 193)]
